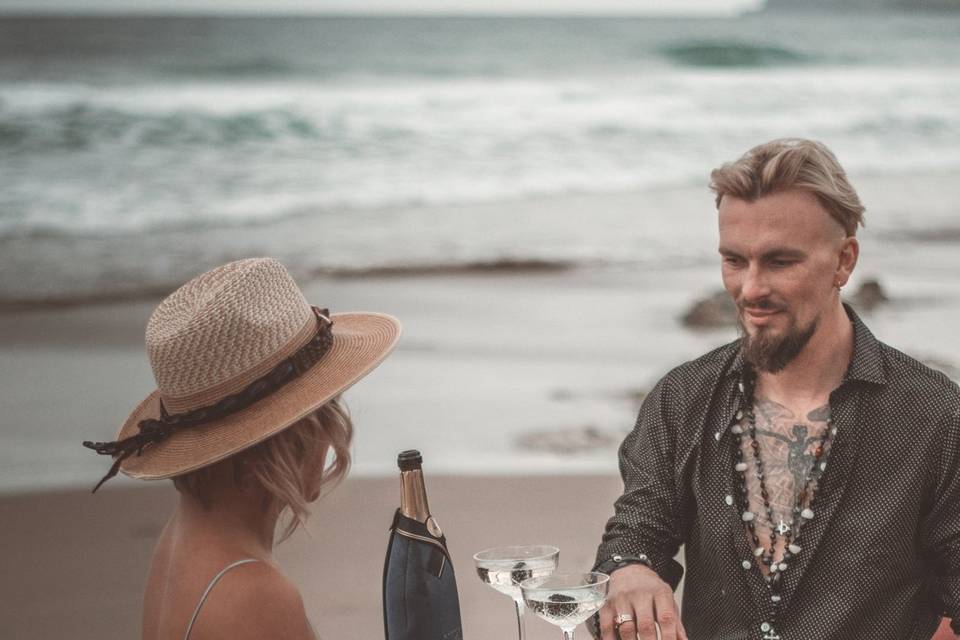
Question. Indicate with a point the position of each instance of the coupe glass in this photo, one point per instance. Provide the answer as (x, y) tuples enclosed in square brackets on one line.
[(566, 599), (504, 568)]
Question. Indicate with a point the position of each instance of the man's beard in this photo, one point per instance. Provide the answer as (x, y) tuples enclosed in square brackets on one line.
[(772, 353)]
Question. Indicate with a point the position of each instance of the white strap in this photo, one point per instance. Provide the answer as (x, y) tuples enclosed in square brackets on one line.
[(210, 586)]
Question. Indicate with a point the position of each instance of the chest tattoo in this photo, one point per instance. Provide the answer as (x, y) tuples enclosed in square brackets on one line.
[(788, 441)]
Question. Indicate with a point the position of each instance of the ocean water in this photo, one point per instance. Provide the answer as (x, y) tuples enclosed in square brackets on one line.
[(135, 152)]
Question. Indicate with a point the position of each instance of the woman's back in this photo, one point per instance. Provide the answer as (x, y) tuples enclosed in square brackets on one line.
[(246, 596)]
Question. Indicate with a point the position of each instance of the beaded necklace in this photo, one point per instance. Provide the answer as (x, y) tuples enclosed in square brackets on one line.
[(790, 532)]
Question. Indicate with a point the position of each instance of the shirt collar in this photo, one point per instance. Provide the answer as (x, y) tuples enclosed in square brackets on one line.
[(866, 363)]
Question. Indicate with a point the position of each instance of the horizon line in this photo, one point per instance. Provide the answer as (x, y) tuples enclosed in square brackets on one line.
[(373, 13)]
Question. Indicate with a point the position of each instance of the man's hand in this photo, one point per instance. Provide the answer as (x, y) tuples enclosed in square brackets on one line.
[(638, 591)]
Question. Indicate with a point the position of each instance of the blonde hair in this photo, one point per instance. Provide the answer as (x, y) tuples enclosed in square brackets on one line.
[(279, 466), (792, 163)]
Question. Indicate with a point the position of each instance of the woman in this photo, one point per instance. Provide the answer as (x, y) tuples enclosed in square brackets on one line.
[(245, 414)]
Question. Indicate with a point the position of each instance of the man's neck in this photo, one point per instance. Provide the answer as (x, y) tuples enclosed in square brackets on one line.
[(819, 368)]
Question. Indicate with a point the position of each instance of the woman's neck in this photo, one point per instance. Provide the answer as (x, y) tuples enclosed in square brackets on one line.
[(231, 516)]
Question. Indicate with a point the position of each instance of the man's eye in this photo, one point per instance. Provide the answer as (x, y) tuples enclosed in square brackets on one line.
[(782, 263)]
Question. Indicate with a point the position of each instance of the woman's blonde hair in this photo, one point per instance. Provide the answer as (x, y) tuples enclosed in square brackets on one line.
[(280, 466), (792, 163)]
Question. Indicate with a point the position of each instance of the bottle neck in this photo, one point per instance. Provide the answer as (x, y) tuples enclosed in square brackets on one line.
[(413, 496)]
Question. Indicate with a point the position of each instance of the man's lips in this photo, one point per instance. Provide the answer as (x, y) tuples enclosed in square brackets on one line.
[(760, 316)]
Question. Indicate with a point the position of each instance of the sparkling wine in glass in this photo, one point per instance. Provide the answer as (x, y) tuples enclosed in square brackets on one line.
[(504, 568), (566, 599)]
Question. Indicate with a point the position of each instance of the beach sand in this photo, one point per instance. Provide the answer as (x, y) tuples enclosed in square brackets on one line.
[(491, 358), (76, 563), (483, 362)]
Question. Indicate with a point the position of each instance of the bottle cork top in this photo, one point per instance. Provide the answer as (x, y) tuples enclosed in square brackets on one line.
[(409, 460)]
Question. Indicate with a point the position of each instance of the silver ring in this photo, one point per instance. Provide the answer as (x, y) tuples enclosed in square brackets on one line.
[(621, 619)]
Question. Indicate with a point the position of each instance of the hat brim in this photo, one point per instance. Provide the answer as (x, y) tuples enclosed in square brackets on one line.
[(361, 341)]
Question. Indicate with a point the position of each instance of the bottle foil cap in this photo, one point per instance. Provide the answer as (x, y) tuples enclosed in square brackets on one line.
[(409, 460)]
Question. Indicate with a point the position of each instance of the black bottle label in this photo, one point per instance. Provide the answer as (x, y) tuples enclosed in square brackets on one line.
[(420, 600)]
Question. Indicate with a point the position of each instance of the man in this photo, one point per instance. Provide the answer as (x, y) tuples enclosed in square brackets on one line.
[(811, 472)]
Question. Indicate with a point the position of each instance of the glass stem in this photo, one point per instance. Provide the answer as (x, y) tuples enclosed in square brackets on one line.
[(568, 633), (520, 630)]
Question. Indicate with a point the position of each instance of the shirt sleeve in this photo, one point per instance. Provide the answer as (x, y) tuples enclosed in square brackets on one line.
[(646, 520), (941, 526)]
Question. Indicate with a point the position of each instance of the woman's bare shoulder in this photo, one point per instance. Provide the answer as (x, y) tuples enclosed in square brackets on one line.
[(253, 600)]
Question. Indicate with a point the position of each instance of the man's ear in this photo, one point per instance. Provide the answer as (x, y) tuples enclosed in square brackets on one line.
[(849, 253)]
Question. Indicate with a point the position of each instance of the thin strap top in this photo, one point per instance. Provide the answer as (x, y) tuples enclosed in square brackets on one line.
[(210, 586)]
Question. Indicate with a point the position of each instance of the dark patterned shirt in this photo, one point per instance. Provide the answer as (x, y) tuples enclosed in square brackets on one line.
[(880, 559)]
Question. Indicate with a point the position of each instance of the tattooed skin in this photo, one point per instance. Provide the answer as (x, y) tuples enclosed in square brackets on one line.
[(787, 442)]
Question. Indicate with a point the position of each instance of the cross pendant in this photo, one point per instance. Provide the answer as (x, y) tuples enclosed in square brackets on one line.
[(782, 529)]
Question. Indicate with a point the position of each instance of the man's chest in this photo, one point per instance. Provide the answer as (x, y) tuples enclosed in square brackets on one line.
[(781, 451), (840, 460)]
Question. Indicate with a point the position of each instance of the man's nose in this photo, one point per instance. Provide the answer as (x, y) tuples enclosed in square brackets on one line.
[(755, 285)]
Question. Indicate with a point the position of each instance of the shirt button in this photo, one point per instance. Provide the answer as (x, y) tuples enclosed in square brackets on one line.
[(728, 500), (617, 558), (745, 564), (765, 627)]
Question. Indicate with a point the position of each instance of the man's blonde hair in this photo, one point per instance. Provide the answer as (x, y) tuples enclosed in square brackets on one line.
[(792, 163), (280, 465)]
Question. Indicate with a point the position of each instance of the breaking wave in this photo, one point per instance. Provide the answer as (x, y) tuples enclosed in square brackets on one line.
[(733, 54)]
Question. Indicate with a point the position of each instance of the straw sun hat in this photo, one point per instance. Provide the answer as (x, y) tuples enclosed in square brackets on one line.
[(238, 355)]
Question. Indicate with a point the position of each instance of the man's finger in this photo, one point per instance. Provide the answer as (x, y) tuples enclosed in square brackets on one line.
[(667, 617), (625, 630), (607, 632), (644, 623)]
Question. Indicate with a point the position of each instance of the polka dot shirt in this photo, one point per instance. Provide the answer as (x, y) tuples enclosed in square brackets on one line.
[(880, 559)]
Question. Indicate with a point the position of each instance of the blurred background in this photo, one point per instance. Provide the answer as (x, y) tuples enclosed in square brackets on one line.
[(524, 185)]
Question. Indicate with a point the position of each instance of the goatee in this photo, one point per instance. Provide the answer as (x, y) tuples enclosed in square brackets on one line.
[(771, 354)]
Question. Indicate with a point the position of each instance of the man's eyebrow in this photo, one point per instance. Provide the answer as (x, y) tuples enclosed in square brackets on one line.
[(783, 252), (776, 252)]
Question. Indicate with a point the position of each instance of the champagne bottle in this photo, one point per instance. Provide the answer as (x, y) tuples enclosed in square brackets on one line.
[(420, 599)]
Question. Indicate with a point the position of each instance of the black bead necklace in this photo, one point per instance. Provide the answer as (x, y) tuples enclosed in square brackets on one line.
[(790, 532)]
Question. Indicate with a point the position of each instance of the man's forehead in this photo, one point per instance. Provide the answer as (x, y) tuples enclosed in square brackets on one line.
[(796, 217)]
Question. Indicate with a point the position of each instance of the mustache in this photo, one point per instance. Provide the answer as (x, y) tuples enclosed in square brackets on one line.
[(764, 304)]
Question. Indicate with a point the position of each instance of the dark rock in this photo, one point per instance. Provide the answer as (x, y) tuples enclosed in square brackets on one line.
[(634, 395), (569, 441), (869, 296), (717, 310), (713, 312), (562, 395)]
